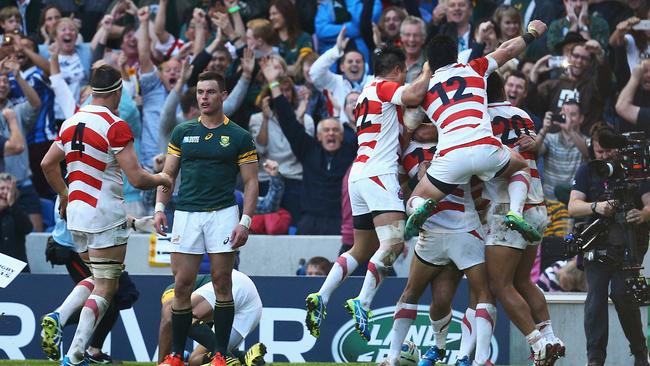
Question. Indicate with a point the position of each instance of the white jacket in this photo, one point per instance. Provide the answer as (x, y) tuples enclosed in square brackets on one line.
[(337, 86)]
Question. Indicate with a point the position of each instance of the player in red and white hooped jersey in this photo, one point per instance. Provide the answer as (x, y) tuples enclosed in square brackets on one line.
[(97, 145), (509, 256), (375, 196), (457, 104), (450, 240)]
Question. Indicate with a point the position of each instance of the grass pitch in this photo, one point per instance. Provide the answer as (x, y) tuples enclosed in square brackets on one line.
[(51, 363)]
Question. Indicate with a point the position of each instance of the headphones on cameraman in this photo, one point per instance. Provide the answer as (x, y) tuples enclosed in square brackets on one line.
[(596, 130)]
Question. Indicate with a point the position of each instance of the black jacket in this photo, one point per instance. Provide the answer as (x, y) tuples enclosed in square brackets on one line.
[(14, 227), (322, 171)]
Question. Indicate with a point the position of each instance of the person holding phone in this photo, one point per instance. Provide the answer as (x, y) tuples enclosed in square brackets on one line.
[(633, 33), (563, 146)]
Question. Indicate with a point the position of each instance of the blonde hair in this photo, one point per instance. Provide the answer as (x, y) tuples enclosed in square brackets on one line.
[(8, 12), (571, 278), (263, 29), (61, 21)]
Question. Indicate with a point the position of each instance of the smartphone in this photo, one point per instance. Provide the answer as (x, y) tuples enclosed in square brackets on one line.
[(558, 117), (557, 61), (642, 25)]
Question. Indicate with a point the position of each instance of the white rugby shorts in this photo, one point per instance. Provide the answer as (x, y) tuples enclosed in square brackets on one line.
[(465, 250), (499, 234), (458, 166), (380, 193), (112, 237), (204, 232), (247, 313)]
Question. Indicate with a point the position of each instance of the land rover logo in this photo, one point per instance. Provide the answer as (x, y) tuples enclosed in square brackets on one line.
[(347, 345)]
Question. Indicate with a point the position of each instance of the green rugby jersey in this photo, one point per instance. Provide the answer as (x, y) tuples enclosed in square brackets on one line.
[(210, 160)]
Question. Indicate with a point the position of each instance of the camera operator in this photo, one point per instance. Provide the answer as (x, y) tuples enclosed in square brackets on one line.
[(602, 266)]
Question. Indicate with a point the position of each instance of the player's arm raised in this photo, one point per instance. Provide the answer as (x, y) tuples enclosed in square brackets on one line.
[(512, 48), (415, 91)]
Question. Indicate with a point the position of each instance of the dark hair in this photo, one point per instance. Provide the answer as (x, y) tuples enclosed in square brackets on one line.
[(495, 92), (441, 51), (386, 59), (41, 19), (223, 49), (127, 28), (211, 75), (321, 262), (104, 77), (291, 20), (574, 102), (188, 100), (518, 74)]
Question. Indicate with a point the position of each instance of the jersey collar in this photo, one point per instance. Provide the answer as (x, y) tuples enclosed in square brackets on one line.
[(225, 120)]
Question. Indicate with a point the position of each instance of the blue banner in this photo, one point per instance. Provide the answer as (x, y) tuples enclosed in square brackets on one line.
[(281, 328)]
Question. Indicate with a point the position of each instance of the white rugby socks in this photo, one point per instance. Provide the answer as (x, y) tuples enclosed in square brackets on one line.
[(468, 333), (75, 300), (518, 191), (404, 316), (440, 330), (486, 316), (91, 314), (535, 340), (344, 265), (546, 329), (375, 274)]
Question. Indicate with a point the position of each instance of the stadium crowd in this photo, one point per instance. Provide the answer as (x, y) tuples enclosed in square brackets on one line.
[(590, 68)]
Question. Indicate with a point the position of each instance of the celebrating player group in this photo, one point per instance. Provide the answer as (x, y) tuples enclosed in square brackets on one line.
[(478, 154)]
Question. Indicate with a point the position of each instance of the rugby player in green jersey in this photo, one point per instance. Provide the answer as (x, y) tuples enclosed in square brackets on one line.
[(210, 151)]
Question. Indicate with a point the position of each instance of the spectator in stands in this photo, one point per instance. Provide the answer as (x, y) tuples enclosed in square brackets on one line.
[(563, 151), (75, 59), (260, 37), (413, 32), (387, 30), (44, 129), (317, 105), (336, 86), (516, 88), (294, 43), (154, 87), (10, 20), (633, 104), (29, 13), (14, 223), (452, 18), (318, 266), (585, 79), (49, 16), (334, 15), (563, 276), (635, 42), (578, 19), (271, 143), (508, 22), (325, 159), (486, 41), (220, 61)]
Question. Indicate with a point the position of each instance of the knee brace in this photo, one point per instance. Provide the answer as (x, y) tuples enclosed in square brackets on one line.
[(106, 268), (390, 235)]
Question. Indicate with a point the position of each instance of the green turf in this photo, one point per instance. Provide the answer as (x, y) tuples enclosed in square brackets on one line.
[(50, 363)]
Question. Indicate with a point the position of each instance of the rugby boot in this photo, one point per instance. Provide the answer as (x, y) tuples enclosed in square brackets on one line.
[(232, 361), (52, 334), (66, 362), (545, 356), (100, 358), (515, 222), (172, 360), (217, 360), (255, 355), (463, 361), (389, 362), (416, 220), (316, 312), (432, 356), (360, 316), (559, 349)]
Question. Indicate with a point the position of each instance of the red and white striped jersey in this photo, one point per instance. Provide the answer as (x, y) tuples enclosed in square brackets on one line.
[(508, 123), (90, 140), (378, 115), (456, 102), (456, 212)]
